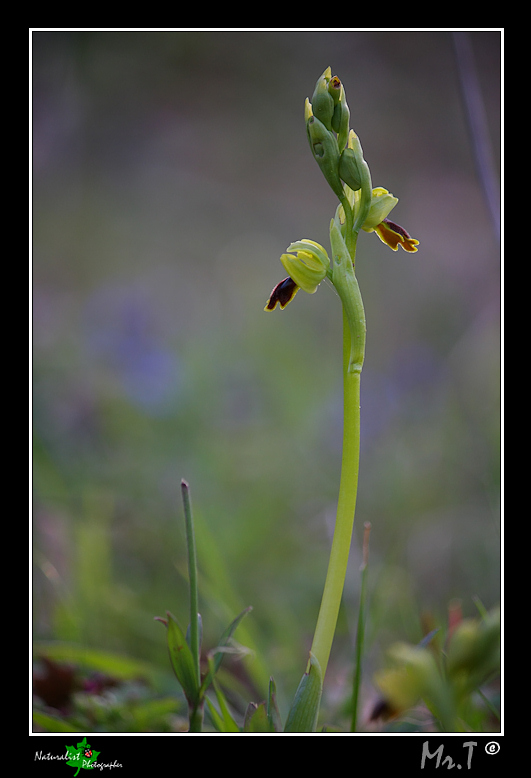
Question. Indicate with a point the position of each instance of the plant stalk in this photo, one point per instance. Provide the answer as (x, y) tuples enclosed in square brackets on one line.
[(196, 710), (192, 572), (360, 635), (339, 554)]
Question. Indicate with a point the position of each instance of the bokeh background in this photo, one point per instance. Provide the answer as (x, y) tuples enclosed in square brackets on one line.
[(170, 171)]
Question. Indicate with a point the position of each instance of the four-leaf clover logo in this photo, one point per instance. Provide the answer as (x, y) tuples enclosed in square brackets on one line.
[(82, 757)]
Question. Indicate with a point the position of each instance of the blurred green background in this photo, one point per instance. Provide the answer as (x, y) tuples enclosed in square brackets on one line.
[(171, 170)]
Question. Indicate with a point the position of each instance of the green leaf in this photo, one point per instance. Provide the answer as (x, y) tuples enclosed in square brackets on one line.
[(50, 723), (225, 638), (117, 665), (225, 721), (256, 719), (217, 720), (273, 713), (305, 707), (219, 654), (182, 660)]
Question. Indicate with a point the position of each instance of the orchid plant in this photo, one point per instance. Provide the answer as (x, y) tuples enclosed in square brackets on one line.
[(337, 150)]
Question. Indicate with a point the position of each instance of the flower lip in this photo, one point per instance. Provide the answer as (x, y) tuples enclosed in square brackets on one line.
[(282, 294), (397, 228), (335, 84), (393, 235)]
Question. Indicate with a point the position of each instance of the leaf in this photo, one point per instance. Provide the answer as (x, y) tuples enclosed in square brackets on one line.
[(49, 723), (225, 638), (116, 665), (305, 707), (256, 719), (182, 660), (273, 713), (225, 721), (217, 653), (217, 720)]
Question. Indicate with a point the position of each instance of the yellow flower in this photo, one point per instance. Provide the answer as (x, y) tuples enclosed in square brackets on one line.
[(393, 235), (382, 203), (307, 266)]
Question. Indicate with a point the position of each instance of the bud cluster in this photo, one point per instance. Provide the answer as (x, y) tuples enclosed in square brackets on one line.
[(337, 150), (327, 125)]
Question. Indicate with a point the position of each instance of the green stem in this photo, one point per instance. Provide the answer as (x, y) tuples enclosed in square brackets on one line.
[(350, 236), (353, 352), (192, 572), (195, 709), (196, 715), (360, 635)]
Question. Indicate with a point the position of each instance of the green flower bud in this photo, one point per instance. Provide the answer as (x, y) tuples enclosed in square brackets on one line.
[(348, 169), (322, 100), (341, 115), (324, 147), (355, 172), (335, 89), (309, 265)]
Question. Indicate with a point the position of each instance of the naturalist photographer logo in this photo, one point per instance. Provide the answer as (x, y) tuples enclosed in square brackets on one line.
[(81, 757)]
